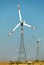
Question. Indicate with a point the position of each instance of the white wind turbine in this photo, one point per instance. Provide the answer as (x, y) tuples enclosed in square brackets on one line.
[(22, 54)]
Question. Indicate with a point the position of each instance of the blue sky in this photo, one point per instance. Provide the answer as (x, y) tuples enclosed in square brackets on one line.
[(33, 13)]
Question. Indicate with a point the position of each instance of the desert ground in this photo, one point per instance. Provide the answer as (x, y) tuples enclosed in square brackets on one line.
[(27, 63)]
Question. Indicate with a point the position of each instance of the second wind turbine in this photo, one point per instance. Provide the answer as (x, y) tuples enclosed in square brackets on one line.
[(22, 53)]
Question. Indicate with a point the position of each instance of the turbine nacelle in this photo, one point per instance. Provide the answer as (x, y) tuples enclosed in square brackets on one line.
[(21, 23), (38, 41)]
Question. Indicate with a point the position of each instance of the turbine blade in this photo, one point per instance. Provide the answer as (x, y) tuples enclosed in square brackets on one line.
[(30, 26), (14, 29), (19, 13)]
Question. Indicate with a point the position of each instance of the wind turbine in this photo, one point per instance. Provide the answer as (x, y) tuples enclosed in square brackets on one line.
[(22, 54), (37, 48)]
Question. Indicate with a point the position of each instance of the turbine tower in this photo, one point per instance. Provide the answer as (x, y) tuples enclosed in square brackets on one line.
[(22, 53), (37, 50)]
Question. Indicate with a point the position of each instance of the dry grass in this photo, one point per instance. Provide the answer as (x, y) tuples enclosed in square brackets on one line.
[(30, 63)]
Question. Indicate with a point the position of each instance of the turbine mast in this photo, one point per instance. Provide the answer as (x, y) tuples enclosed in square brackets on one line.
[(37, 50), (22, 53)]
